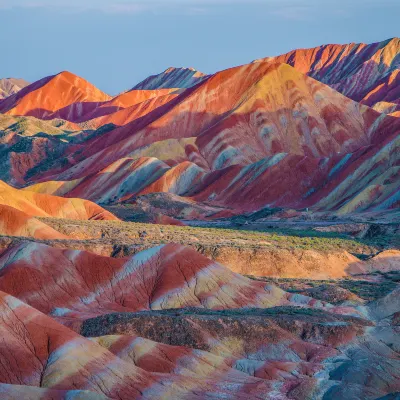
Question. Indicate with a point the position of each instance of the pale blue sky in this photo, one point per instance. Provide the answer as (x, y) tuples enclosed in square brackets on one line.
[(116, 44)]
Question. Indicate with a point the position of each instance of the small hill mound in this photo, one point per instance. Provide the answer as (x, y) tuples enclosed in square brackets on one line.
[(43, 205), (16, 223)]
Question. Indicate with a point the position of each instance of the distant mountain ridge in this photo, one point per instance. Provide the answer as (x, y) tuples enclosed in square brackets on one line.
[(54, 93), (172, 78), (261, 134), (367, 73), (10, 86)]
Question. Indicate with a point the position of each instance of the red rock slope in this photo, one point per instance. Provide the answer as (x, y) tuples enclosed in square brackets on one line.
[(43, 205), (64, 96), (14, 222), (129, 113), (72, 98)]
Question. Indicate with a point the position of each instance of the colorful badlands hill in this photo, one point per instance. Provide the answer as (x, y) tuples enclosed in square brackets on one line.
[(167, 322), (164, 277), (134, 104), (366, 73), (258, 135), (14, 222), (18, 209), (262, 134), (79, 334), (63, 94), (369, 74)]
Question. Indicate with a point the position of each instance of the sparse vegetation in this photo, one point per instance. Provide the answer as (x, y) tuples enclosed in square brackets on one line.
[(129, 232), (368, 290), (364, 289)]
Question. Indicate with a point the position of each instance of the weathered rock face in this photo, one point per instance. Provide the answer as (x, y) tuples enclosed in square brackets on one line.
[(15, 392), (261, 261), (215, 330), (128, 107), (332, 294)]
